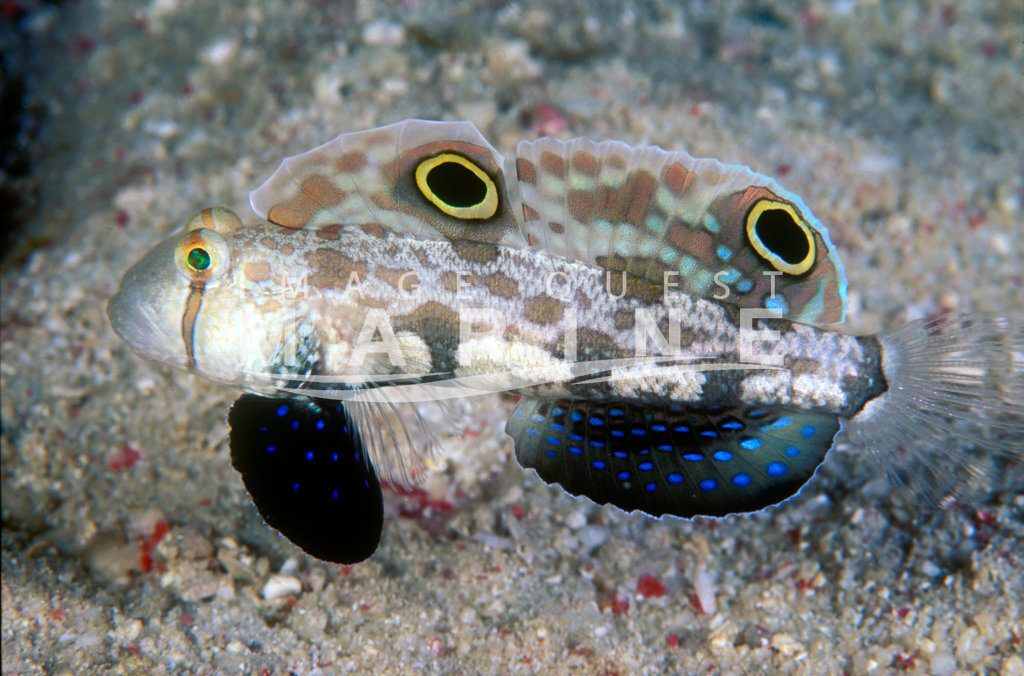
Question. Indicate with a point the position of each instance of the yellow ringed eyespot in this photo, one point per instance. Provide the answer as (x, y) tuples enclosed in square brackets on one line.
[(780, 235), (457, 186)]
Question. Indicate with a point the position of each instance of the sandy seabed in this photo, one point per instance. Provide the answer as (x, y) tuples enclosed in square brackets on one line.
[(129, 543)]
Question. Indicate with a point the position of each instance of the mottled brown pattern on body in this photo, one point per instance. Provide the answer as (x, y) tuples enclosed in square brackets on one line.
[(475, 253), (258, 271), (529, 213), (328, 231), (332, 269), (374, 229), (556, 227), (269, 242), (592, 345), (269, 306), (501, 285), (393, 276), (625, 320), (543, 310), (287, 249), (799, 366)]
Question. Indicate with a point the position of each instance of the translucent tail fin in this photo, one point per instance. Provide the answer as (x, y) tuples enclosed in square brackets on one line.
[(952, 421)]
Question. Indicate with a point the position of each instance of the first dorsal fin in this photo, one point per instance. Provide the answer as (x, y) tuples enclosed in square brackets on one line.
[(646, 211), (417, 177)]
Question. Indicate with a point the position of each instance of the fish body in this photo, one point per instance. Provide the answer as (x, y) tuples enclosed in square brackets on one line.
[(665, 320)]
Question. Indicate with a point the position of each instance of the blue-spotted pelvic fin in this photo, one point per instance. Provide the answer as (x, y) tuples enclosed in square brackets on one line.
[(304, 467), (417, 177), (646, 211), (683, 461)]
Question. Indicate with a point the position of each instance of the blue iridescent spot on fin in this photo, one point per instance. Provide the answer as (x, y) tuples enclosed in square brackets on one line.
[(309, 455), (576, 450), (682, 429), (620, 454), (732, 425), (742, 479), (557, 410), (708, 484), (616, 412), (639, 432), (295, 486), (711, 434), (775, 469), (619, 434), (693, 457), (574, 437), (596, 444), (550, 453), (792, 451), (334, 494), (650, 487), (780, 424), (538, 418), (558, 428), (622, 476), (675, 478), (282, 410), (723, 456), (645, 466), (723, 253), (334, 457), (532, 432), (745, 286), (320, 424), (598, 464), (295, 424), (751, 444), (596, 422), (807, 432), (576, 416), (271, 448), (658, 428), (665, 447)]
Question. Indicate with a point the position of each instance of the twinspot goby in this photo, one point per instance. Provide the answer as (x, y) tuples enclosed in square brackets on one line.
[(665, 320)]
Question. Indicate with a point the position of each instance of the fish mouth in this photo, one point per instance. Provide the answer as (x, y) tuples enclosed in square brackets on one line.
[(145, 313)]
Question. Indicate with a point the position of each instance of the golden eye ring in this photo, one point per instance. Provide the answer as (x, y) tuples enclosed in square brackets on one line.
[(780, 235), (457, 186), (202, 256)]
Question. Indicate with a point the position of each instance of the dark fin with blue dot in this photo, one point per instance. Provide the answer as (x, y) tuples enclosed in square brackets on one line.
[(681, 460), (305, 469)]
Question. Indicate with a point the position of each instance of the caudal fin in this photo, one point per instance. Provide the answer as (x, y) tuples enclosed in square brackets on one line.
[(952, 421)]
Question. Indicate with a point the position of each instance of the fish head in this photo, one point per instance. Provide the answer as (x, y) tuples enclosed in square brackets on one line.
[(191, 302)]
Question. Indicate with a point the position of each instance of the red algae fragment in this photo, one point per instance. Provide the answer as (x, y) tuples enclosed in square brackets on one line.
[(124, 459), (650, 586)]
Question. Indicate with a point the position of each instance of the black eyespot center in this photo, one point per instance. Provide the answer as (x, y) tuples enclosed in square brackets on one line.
[(781, 235), (456, 185)]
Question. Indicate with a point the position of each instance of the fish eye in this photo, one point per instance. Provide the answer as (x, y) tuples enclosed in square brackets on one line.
[(198, 259), (779, 234), (202, 255), (457, 186)]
